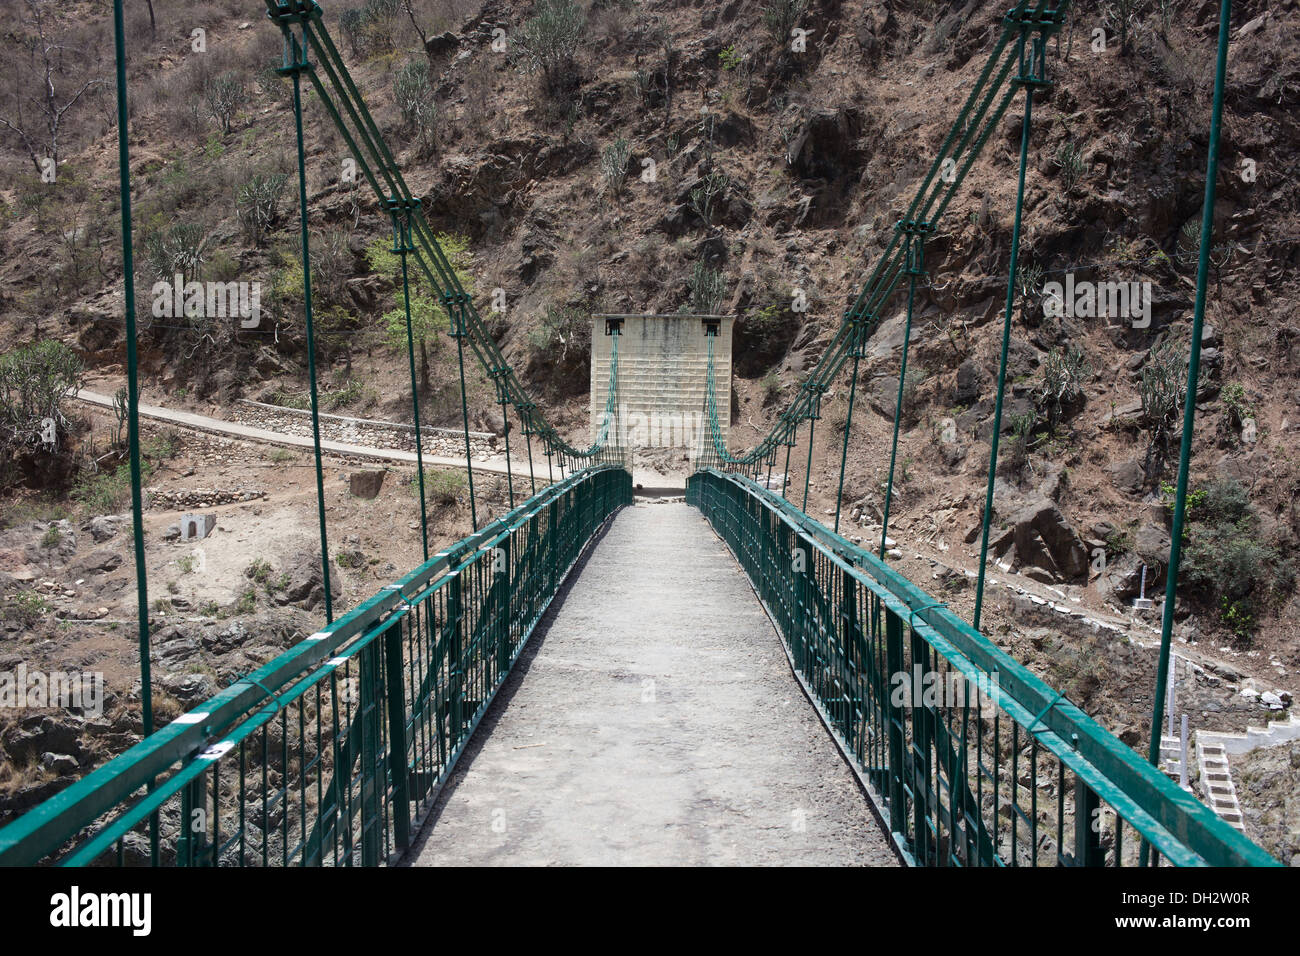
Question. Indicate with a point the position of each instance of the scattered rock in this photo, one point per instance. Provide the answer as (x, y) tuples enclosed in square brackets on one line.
[(43, 732), (1151, 543), (970, 379), (60, 764), (1041, 537), (100, 561), (188, 687), (103, 528), (306, 582), (1128, 476)]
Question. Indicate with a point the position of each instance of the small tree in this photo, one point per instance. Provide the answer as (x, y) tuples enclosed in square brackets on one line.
[(224, 95), (378, 17), (613, 165), (705, 195), (1064, 372), (353, 24), (550, 41), (429, 316), (257, 204), (428, 319), (413, 94), (780, 17), (707, 289), (39, 83), (35, 381)]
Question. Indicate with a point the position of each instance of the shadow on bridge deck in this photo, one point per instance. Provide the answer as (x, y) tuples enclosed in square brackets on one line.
[(653, 719)]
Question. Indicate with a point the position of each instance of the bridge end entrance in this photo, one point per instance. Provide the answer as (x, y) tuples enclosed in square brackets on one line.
[(663, 363)]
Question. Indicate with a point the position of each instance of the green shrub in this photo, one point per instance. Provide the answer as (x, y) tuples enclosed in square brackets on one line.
[(160, 447), (413, 93), (353, 24), (613, 165), (176, 250), (1161, 387), (247, 602), (780, 17), (107, 492), (224, 95), (354, 393), (442, 487), (550, 39), (564, 333), (707, 286), (35, 380), (257, 204), (1225, 562), (1237, 407), (1069, 159), (704, 197), (1064, 372), (291, 400), (26, 608), (350, 559)]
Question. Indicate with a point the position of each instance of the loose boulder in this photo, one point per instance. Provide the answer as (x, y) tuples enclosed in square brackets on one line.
[(306, 586), (366, 484), (1041, 537)]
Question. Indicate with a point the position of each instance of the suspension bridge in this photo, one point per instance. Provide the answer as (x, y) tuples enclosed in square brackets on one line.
[(639, 650)]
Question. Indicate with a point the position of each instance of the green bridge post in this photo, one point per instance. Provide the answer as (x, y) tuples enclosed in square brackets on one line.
[(1189, 398)]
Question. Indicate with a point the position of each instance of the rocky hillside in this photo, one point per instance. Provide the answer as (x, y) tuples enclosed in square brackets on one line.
[(686, 154)]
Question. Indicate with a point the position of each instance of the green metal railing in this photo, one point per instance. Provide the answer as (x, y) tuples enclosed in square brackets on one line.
[(331, 753), (968, 758)]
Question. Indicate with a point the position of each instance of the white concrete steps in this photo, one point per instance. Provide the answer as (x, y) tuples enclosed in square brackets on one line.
[(1216, 782)]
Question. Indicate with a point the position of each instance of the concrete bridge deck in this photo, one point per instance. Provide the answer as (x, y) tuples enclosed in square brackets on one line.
[(653, 720)]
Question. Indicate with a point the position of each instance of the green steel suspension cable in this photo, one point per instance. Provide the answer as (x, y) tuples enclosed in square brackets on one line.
[(528, 439), (1031, 78), (785, 478), (132, 375), (970, 132), (1189, 397), (133, 400), (456, 309), (361, 134), (858, 341), (295, 62), (813, 416), (401, 213), (915, 269), (504, 400)]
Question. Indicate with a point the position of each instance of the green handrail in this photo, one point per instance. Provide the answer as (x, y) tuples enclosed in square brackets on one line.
[(938, 772), (99, 812)]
